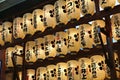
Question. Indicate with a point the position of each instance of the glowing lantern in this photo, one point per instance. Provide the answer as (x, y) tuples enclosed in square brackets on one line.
[(18, 28), (73, 70), (37, 16), (49, 18), (61, 43), (60, 12), (30, 55), (1, 36), (20, 75), (85, 69), (62, 71), (30, 74)]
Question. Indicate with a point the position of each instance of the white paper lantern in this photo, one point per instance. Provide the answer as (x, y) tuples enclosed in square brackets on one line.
[(85, 69), (73, 70), (30, 55), (73, 9), (38, 18), (60, 12), (49, 17), (62, 71), (20, 75), (61, 43), (1, 36), (27, 24), (87, 7), (30, 74), (18, 28), (98, 69), (73, 40), (40, 49)]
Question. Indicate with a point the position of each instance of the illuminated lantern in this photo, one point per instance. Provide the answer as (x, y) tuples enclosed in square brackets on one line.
[(62, 71), (61, 43), (73, 70), (73, 40), (27, 24), (1, 36), (86, 39), (37, 16), (39, 48), (51, 71), (20, 75), (30, 74), (49, 18), (115, 21), (60, 12), (30, 55), (73, 9), (18, 28), (85, 69), (50, 50), (98, 68), (87, 7)]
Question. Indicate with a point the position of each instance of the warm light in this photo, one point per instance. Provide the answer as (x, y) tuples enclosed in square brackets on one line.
[(20, 75), (30, 74), (1, 36)]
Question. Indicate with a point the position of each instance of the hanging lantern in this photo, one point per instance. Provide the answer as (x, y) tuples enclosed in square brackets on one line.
[(30, 74), (27, 24), (20, 75), (18, 28), (86, 39), (1, 36), (115, 21), (73, 9), (51, 70), (49, 18), (73, 40), (98, 69), (61, 43), (85, 69), (73, 70), (60, 12), (50, 50), (62, 71), (37, 16), (30, 55), (39, 48)]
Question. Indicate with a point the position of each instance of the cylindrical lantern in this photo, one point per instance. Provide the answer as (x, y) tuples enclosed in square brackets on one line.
[(18, 28), (73, 40), (27, 24), (61, 43), (62, 71), (60, 12), (20, 75), (1, 36), (87, 7), (86, 39), (49, 18), (73, 9), (51, 71), (73, 70), (50, 50), (30, 74), (115, 21), (30, 55), (39, 48), (85, 69), (98, 68), (38, 19)]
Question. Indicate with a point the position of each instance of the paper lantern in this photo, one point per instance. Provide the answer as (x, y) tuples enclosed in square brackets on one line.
[(86, 39), (73, 9), (41, 73), (73, 70), (61, 43), (51, 70), (30, 74), (50, 50), (27, 24), (98, 71), (18, 28), (73, 40), (115, 21), (20, 75), (30, 55), (87, 7), (38, 18), (1, 36), (60, 12), (49, 17), (62, 71), (40, 49), (85, 69)]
